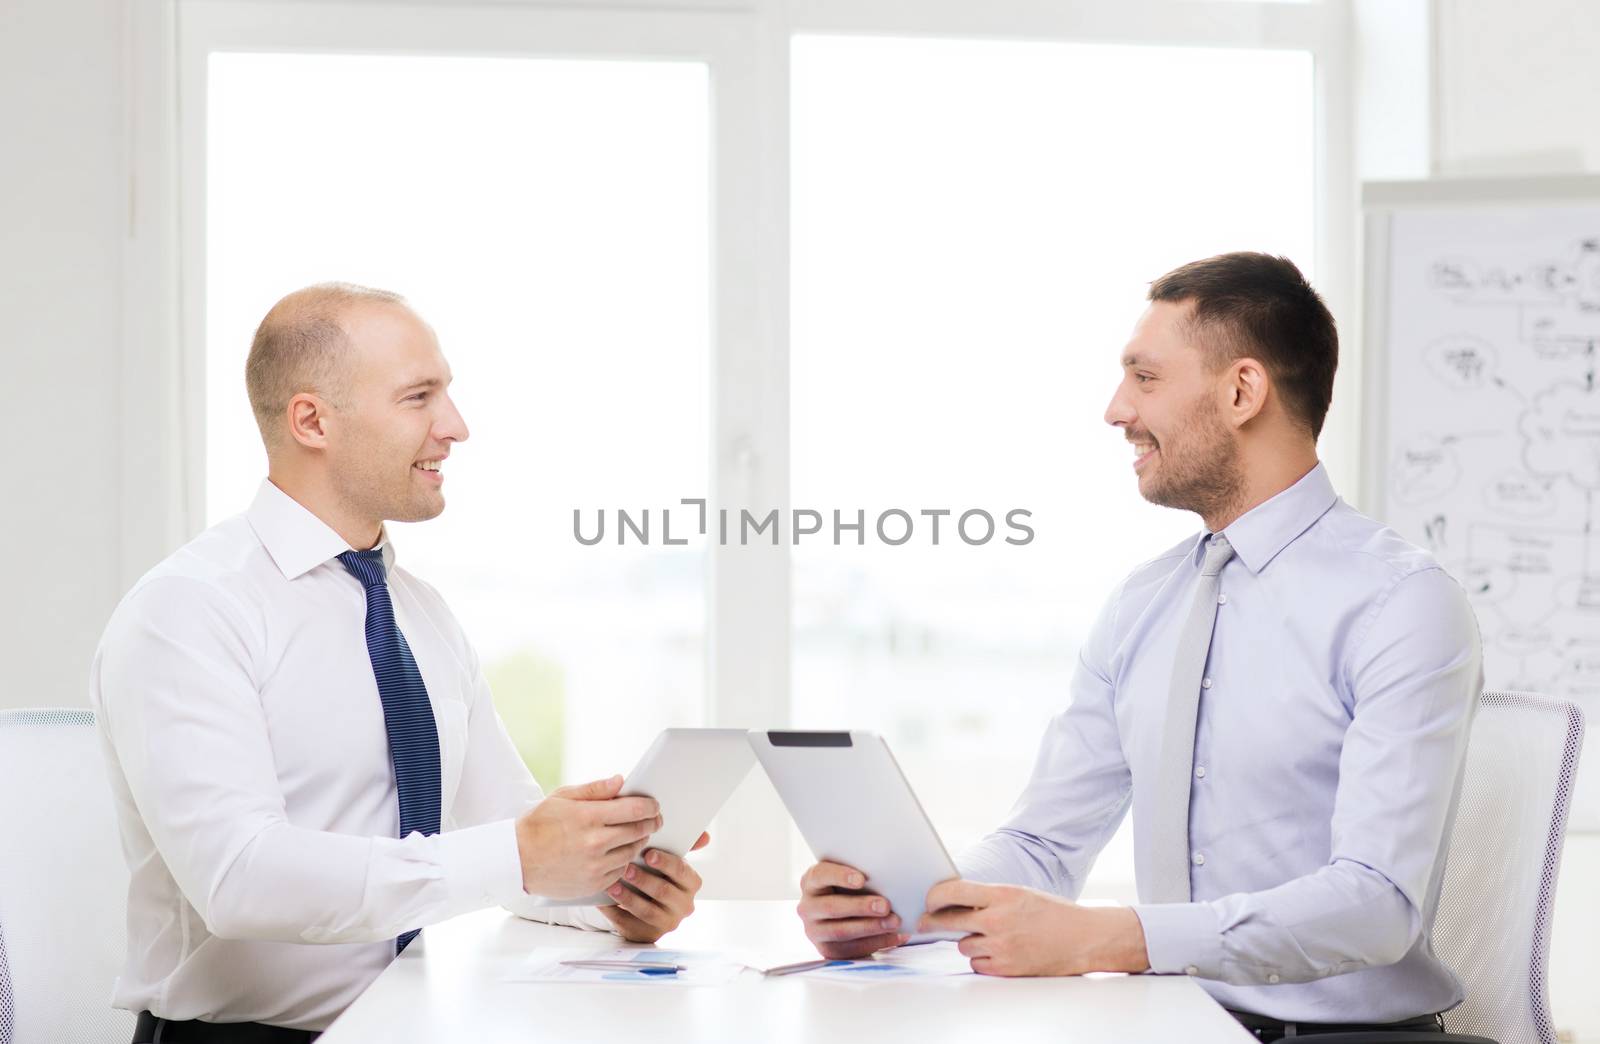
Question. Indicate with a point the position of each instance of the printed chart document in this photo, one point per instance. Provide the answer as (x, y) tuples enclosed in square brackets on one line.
[(933, 961), (628, 966)]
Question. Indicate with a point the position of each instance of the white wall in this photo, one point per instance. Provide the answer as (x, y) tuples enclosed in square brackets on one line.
[(62, 197), (1518, 86)]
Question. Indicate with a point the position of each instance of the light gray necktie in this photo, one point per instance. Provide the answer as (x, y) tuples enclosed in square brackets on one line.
[(1170, 820)]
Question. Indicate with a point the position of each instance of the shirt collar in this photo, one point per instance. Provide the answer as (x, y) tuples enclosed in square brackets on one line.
[(1266, 529), (297, 540)]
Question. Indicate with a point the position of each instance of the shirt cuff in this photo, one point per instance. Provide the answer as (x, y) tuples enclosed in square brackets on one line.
[(589, 918), (1182, 939), (481, 865)]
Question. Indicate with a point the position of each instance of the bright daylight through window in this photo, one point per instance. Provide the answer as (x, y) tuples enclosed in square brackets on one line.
[(974, 227), (550, 219)]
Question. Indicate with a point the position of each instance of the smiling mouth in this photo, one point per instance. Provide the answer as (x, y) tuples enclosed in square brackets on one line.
[(429, 468), (1143, 451)]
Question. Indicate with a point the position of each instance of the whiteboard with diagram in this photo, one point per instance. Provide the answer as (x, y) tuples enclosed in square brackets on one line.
[(1483, 416)]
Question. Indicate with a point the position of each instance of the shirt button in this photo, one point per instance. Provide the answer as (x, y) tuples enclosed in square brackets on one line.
[(1191, 970), (1199, 859), (1222, 599), (1200, 772), (1205, 683), (1273, 979)]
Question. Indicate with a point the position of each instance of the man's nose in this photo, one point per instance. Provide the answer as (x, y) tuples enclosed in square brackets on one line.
[(452, 425), (1119, 413)]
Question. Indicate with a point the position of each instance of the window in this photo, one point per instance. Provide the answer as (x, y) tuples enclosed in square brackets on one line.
[(887, 263), (975, 226), (549, 218)]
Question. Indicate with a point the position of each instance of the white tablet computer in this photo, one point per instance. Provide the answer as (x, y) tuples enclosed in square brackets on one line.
[(691, 773), (854, 806)]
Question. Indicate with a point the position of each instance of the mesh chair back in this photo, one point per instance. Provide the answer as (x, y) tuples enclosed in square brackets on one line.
[(63, 883), (1493, 923)]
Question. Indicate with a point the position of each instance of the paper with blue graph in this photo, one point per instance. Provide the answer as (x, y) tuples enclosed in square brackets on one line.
[(903, 964), (628, 966)]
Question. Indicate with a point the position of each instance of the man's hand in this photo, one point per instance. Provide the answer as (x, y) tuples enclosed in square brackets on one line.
[(578, 840), (652, 901), (1020, 931), (843, 919)]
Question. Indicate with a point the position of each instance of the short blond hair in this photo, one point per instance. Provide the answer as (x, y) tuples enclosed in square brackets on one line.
[(300, 347)]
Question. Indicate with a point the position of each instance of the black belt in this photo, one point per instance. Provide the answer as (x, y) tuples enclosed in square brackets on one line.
[(1265, 1029), (152, 1030)]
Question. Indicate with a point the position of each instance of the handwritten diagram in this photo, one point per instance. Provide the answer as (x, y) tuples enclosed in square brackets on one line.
[(1494, 434)]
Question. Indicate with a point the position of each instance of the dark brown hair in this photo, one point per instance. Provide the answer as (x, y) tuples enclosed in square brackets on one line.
[(1259, 306)]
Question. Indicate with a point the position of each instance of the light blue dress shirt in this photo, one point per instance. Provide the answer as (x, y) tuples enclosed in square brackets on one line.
[(1341, 682)]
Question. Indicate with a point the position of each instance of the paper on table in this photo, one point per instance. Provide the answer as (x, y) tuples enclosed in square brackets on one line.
[(936, 960), (942, 958), (700, 968)]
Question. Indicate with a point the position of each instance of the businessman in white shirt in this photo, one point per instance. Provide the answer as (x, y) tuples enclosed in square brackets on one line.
[(306, 762)]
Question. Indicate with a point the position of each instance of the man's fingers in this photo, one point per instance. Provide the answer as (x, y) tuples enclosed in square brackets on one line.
[(705, 839), (974, 946), (823, 876), (627, 833), (597, 790), (630, 927), (845, 951), (834, 905), (952, 919), (627, 810), (655, 886), (655, 914), (852, 928), (674, 868), (619, 917), (956, 892), (620, 858)]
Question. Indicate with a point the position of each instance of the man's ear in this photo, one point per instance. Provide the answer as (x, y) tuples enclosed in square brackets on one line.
[(1248, 388), (308, 418)]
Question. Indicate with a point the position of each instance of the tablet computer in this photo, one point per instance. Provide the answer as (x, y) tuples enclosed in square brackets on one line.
[(854, 806), (691, 773)]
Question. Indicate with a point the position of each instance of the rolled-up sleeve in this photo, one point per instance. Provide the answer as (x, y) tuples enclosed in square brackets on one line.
[(1414, 673)]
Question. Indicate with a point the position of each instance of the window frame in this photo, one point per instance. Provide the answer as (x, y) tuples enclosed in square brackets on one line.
[(746, 46)]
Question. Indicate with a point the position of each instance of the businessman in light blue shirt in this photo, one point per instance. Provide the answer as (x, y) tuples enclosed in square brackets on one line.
[(1289, 730)]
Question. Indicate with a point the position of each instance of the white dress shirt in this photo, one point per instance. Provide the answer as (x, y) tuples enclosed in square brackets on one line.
[(254, 791), (1331, 735)]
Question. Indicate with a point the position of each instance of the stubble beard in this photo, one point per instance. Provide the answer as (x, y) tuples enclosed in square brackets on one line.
[(1198, 469)]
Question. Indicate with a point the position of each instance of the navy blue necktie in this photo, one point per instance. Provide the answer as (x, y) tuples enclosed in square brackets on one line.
[(407, 715)]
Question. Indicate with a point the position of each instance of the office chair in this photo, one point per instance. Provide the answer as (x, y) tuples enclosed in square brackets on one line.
[(1492, 927), (63, 883)]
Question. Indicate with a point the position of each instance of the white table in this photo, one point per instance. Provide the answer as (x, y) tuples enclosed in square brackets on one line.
[(450, 989)]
